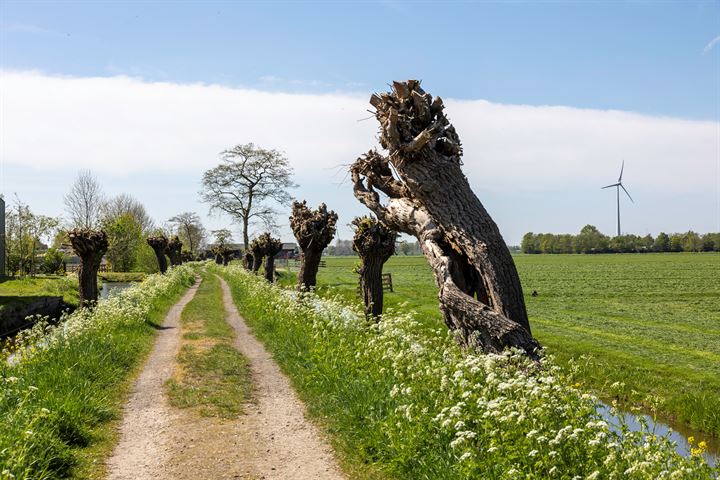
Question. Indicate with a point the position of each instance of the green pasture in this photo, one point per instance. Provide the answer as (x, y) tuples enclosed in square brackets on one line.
[(19, 290), (648, 321)]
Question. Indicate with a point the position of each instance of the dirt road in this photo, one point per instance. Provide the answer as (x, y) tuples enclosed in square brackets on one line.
[(272, 440)]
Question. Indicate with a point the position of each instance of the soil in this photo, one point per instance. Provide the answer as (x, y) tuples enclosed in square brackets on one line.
[(271, 440)]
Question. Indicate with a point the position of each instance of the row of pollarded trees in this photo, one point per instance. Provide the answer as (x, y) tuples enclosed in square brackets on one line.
[(424, 194), (314, 230), (90, 245)]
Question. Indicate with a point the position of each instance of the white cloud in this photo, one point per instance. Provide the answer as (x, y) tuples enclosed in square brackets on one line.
[(120, 126), (711, 45)]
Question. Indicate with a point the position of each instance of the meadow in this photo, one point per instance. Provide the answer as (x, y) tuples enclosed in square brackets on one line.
[(18, 290), (644, 329), (400, 399)]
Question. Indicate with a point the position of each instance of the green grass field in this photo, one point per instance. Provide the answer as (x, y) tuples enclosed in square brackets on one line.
[(15, 290), (650, 322)]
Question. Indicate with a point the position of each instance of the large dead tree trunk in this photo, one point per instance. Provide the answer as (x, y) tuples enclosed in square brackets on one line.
[(90, 246), (270, 247), (429, 197), (314, 230), (159, 246), (374, 243), (173, 249)]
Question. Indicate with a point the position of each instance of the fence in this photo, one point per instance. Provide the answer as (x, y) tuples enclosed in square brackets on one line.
[(387, 284)]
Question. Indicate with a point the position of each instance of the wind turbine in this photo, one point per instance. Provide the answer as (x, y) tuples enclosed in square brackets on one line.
[(618, 186)]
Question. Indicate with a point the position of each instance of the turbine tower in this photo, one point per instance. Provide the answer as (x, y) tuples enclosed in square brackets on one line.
[(618, 186)]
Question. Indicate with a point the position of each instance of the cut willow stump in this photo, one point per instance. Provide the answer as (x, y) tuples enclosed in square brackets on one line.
[(314, 230), (256, 250), (173, 249), (374, 243), (159, 245), (221, 253), (90, 246), (429, 197), (270, 247), (248, 261)]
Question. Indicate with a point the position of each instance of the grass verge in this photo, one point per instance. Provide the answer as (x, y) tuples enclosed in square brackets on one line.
[(212, 376), (643, 328), (59, 401), (406, 401)]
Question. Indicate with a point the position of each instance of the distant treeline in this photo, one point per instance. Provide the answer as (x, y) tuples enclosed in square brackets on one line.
[(590, 240)]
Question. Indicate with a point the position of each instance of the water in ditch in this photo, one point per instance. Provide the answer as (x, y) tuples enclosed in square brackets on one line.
[(679, 432)]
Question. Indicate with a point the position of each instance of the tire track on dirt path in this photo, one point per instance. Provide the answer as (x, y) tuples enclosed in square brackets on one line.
[(147, 417), (287, 445)]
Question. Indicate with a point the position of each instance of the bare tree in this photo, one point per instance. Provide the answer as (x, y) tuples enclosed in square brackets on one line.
[(374, 243), (246, 183), (123, 204), (427, 195), (190, 230), (314, 230), (84, 201)]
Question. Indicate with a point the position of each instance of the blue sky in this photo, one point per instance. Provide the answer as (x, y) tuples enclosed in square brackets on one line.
[(656, 59)]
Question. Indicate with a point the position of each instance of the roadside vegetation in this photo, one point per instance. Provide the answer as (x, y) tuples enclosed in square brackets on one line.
[(643, 330), (211, 375), (402, 397), (65, 384)]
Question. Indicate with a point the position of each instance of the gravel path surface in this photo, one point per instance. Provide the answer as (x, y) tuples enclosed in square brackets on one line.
[(272, 440), (147, 417)]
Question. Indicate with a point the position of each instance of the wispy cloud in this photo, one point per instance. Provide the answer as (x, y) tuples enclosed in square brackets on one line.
[(19, 27), (711, 45)]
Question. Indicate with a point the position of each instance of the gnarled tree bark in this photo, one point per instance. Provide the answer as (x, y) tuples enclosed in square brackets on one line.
[(159, 245), (90, 246), (173, 249), (314, 230), (374, 243), (429, 197)]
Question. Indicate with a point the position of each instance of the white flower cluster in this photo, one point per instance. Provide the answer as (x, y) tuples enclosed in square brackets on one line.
[(490, 416)]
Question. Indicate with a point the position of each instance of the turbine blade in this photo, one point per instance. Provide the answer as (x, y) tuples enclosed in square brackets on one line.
[(613, 185), (628, 194), (621, 171)]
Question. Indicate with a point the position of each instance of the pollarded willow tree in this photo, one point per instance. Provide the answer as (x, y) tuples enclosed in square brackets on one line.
[(257, 252), (90, 246), (173, 249), (429, 197), (248, 261), (270, 247), (314, 230), (374, 243), (159, 245)]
